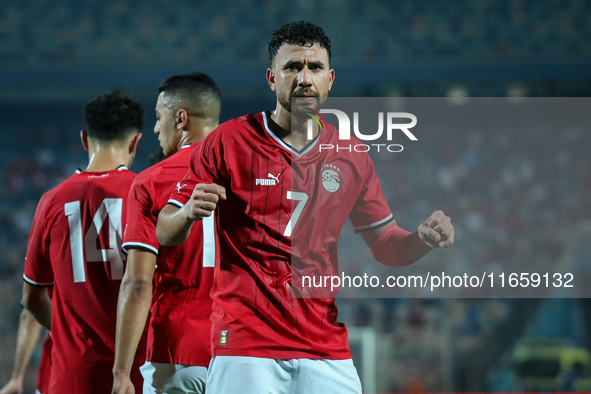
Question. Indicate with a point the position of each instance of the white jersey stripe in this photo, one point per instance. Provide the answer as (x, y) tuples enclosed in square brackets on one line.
[(32, 282), (376, 224), (176, 203), (126, 246), (283, 144)]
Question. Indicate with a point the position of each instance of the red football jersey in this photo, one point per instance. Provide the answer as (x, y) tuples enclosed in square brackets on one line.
[(43, 373), (44, 365), (280, 214), (75, 244), (181, 306)]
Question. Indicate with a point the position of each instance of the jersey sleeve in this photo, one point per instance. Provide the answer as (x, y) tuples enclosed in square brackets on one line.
[(371, 209), (205, 166), (140, 227), (38, 270)]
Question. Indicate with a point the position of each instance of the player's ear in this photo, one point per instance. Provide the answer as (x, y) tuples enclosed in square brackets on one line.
[(135, 139), (331, 79), (84, 139), (182, 118), (271, 78)]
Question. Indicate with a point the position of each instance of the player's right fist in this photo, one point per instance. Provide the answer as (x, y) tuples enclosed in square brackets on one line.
[(204, 200)]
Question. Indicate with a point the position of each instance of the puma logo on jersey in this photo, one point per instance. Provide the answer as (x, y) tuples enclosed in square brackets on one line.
[(179, 187), (268, 182), (269, 175)]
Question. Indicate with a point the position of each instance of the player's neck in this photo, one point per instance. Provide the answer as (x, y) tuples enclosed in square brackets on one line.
[(295, 135), (106, 158), (197, 133)]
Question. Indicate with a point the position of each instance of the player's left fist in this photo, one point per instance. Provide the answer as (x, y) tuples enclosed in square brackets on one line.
[(12, 387), (437, 230)]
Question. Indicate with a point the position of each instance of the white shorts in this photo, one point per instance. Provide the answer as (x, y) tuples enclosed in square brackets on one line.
[(254, 375), (162, 378)]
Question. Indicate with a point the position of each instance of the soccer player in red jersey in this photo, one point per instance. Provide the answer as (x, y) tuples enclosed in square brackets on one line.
[(74, 246), (271, 186), (178, 351), (27, 337)]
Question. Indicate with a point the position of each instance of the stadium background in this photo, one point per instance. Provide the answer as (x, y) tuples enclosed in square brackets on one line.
[(56, 55)]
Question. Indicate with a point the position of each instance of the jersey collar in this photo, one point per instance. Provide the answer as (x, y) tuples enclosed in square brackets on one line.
[(299, 153), (122, 167)]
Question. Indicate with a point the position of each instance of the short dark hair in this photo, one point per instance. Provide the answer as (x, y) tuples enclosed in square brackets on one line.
[(197, 93), (298, 33), (113, 116)]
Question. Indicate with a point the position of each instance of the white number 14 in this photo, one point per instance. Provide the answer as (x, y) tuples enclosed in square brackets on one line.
[(111, 207)]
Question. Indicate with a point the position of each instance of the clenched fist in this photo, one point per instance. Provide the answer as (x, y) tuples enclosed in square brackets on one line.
[(437, 230), (204, 200)]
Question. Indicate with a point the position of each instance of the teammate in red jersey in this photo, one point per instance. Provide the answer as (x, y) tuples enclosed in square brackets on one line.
[(74, 245), (178, 350), (272, 186), (27, 337), (44, 372)]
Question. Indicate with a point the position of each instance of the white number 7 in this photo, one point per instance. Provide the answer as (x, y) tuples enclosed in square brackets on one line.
[(302, 198)]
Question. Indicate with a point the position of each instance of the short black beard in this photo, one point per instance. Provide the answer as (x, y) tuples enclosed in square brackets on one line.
[(284, 104)]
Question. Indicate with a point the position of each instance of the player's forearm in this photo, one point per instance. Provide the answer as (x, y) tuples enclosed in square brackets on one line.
[(415, 248), (36, 300), (42, 313), (174, 226), (27, 337), (135, 297)]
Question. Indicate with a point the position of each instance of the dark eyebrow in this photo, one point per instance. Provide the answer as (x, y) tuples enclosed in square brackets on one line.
[(317, 63), (292, 63), (298, 64)]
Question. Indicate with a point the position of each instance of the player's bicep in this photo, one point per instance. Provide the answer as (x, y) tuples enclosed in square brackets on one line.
[(141, 265), (174, 226), (169, 210), (37, 301), (33, 296), (165, 223)]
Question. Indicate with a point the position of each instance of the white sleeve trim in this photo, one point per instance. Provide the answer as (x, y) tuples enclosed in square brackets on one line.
[(175, 203), (32, 282), (125, 246), (376, 224)]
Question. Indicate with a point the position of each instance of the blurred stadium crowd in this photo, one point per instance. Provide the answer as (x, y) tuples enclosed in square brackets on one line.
[(495, 184), (163, 31)]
